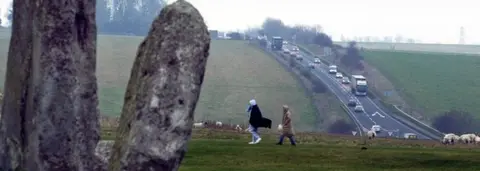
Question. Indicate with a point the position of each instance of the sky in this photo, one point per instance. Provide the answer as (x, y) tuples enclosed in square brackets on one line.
[(433, 21)]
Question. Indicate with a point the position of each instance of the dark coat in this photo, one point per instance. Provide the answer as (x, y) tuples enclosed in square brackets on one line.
[(257, 120)]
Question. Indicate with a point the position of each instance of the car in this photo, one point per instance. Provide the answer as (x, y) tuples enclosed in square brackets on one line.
[(339, 75), (345, 80), (376, 128), (316, 60), (299, 57), (358, 108), (410, 136), (311, 65), (352, 102), (295, 48)]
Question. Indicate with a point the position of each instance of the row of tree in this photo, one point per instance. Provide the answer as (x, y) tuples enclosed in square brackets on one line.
[(125, 17), (122, 17), (349, 56)]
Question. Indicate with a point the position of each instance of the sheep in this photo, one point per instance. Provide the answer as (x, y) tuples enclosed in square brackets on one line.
[(218, 124), (466, 138), (238, 128), (450, 138), (371, 134), (199, 124), (280, 127), (477, 140)]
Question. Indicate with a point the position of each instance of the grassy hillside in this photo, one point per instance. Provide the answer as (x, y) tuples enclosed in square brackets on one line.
[(235, 73), (437, 82), (445, 48), (221, 150)]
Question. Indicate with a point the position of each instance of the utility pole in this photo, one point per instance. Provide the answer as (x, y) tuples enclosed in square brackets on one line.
[(462, 36)]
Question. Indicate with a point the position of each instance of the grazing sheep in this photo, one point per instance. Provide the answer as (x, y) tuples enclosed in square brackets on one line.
[(238, 128), (199, 125), (280, 127), (218, 124), (477, 140), (466, 138), (371, 134), (450, 138)]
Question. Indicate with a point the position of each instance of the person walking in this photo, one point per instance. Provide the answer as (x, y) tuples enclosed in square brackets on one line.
[(256, 121), (287, 127)]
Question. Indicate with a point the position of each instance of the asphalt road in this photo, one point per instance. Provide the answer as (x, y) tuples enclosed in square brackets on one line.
[(373, 114)]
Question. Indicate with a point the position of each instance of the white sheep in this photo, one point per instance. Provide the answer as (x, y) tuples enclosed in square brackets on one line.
[(371, 134), (466, 138), (218, 124), (199, 124), (450, 138), (280, 127), (477, 140), (238, 128)]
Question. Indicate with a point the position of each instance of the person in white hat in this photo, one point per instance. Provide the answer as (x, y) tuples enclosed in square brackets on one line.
[(256, 120)]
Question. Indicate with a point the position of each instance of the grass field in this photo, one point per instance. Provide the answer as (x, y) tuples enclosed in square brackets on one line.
[(445, 48), (236, 72), (212, 150), (435, 82)]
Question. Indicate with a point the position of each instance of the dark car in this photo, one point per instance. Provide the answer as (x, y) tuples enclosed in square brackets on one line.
[(352, 102)]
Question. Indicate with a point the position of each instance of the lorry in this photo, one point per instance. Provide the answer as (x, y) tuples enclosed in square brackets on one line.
[(359, 85), (332, 69), (277, 43)]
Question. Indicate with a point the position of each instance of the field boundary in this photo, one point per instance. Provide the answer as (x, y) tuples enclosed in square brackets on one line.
[(425, 126), (397, 114), (298, 75)]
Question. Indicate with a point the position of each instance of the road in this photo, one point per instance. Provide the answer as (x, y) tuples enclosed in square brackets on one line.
[(373, 114)]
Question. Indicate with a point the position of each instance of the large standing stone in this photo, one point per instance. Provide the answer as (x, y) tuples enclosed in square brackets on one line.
[(162, 92), (50, 115)]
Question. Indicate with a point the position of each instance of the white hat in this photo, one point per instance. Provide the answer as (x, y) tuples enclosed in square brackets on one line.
[(253, 102)]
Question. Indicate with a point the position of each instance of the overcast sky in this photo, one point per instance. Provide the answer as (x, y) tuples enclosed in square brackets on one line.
[(427, 20)]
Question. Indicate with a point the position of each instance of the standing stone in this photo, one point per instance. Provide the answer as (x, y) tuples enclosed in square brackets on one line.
[(50, 115), (162, 93)]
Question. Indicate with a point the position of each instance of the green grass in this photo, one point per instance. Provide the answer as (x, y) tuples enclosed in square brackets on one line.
[(236, 72), (211, 150), (436, 82)]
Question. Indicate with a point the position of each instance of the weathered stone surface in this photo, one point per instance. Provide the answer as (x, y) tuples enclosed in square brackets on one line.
[(50, 115), (162, 92), (104, 150)]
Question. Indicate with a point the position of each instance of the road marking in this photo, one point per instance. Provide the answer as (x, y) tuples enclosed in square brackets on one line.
[(376, 113), (390, 133), (354, 133)]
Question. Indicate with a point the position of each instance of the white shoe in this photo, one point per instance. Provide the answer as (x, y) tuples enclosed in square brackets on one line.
[(251, 142), (258, 140)]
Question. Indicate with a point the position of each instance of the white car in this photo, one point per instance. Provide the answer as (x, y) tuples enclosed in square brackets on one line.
[(317, 61), (295, 48), (410, 136), (311, 65), (376, 128), (339, 75), (358, 108)]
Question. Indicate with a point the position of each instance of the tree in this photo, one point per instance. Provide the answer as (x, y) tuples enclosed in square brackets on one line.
[(352, 58), (274, 27), (455, 121), (323, 40), (341, 126)]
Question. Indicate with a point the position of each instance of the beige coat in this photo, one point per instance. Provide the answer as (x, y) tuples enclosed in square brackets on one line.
[(287, 121)]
